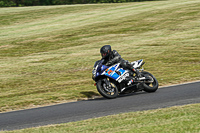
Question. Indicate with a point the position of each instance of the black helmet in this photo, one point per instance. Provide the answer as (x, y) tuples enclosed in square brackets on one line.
[(105, 51)]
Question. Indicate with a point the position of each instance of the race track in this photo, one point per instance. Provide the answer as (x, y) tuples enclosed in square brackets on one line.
[(75, 111)]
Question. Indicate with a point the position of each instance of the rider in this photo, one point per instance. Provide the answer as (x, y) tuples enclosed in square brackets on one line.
[(111, 57)]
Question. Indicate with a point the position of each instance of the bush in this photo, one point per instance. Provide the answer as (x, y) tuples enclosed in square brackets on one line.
[(2, 4), (7, 3)]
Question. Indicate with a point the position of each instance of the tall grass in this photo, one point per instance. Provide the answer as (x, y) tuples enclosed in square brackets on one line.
[(47, 53)]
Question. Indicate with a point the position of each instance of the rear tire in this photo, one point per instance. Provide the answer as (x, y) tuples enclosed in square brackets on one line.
[(109, 93), (153, 85)]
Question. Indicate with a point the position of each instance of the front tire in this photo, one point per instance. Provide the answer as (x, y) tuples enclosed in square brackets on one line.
[(107, 92), (150, 85)]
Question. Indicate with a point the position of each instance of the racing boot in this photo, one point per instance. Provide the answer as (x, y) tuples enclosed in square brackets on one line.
[(138, 74), (133, 70)]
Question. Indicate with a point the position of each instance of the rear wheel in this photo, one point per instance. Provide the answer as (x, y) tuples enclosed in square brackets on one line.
[(151, 84), (108, 90)]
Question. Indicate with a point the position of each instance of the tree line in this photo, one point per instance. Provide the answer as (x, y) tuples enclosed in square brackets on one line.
[(17, 3)]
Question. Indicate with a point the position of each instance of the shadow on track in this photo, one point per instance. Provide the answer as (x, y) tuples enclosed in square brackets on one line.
[(91, 94)]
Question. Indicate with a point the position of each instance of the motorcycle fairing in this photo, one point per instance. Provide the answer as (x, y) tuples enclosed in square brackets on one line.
[(111, 71), (114, 72)]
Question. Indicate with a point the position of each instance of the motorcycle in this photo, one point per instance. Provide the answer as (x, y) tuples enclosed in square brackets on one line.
[(114, 80)]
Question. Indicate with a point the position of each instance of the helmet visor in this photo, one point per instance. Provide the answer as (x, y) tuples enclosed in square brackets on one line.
[(103, 54)]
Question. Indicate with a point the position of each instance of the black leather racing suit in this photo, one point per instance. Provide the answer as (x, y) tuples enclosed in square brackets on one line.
[(115, 57)]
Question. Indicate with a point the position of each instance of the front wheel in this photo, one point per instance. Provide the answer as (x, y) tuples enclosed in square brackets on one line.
[(107, 89), (151, 84)]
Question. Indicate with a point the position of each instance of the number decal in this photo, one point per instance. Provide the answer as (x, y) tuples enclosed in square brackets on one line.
[(110, 71)]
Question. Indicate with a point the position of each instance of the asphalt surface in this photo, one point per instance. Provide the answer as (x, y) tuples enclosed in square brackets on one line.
[(75, 111)]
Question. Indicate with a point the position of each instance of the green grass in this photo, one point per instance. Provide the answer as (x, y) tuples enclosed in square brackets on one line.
[(179, 119), (47, 53)]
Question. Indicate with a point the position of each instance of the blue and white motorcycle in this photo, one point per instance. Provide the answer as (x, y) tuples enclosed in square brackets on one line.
[(114, 80)]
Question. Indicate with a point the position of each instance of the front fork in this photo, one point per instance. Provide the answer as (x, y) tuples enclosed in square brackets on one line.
[(107, 85), (106, 82)]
